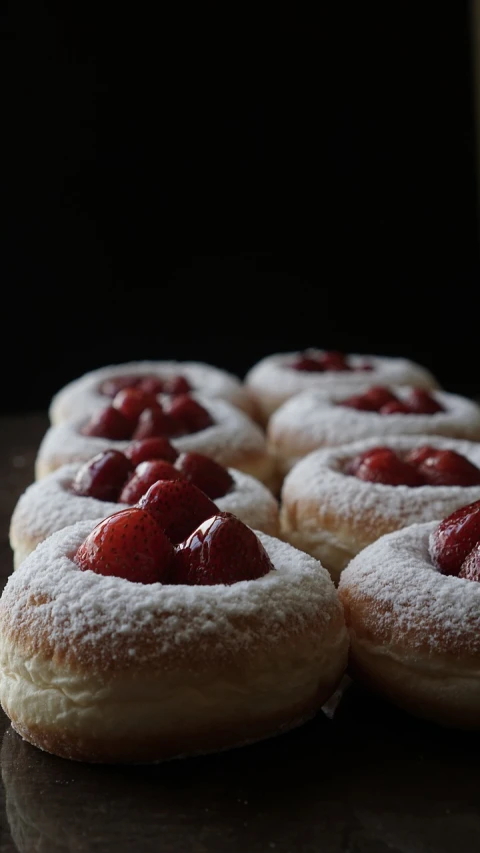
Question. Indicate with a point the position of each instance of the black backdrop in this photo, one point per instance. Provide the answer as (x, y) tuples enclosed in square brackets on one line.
[(275, 177)]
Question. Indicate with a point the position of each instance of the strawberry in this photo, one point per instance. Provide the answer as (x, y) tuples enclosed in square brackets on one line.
[(221, 550), (420, 454), (150, 448), (151, 385), (111, 387), (379, 396), (205, 474), (470, 568), (132, 401), (153, 422), (187, 415), (389, 469), (127, 545), (395, 407), (146, 474), (108, 423), (422, 402), (454, 538), (354, 464), (333, 360), (178, 507), (103, 476), (358, 401), (449, 468), (177, 385)]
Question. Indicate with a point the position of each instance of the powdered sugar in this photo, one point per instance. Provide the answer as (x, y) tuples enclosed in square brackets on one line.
[(98, 619), (272, 380), (410, 602), (233, 440), (312, 420), (49, 505), (364, 509), (82, 397)]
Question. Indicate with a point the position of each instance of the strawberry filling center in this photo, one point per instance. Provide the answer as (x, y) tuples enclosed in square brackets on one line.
[(423, 466)]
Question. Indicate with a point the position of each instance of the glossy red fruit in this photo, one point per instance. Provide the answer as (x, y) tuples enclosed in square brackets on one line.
[(146, 474), (396, 407), (360, 402), (379, 396), (389, 469), (470, 568), (187, 415), (333, 360), (221, 550), (128, 544), (103, 476), (307, 363), (449, 468), (420, 454), (455, 537), (108, 423), (151, 385), (178, 507), (152, 423), (421, 402), (177, 385), (150, 448), (132, 401), (353, 465), (205, 474), (111, 387)]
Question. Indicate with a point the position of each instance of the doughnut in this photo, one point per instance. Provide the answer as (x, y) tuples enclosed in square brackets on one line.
[(233, 440), (333, 515), (91, 392), (276, 378), (414, 632), (50, 504), (312, 420), (98, 668)]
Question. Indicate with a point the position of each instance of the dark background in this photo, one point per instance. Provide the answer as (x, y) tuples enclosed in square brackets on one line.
[(221, 181)]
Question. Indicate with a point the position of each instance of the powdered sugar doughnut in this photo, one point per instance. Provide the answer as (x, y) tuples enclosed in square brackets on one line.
[(273, 380), (83, 396), (414, 633), (332, 515), (101, 669), (234, 440), (312, 420), (50, 504)]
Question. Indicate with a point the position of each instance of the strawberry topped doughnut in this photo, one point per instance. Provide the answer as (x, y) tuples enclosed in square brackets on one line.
[(312, 420), (276, 378), (211, 427), (93, 391), (338, 500), (412, 605), (168, 629), (113, 480)]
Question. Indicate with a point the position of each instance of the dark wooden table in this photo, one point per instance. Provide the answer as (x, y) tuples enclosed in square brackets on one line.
[(362, 779)]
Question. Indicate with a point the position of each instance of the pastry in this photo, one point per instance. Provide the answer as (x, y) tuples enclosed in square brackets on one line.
[(338, 500), (278, 377), (112, 480), (168, 629)]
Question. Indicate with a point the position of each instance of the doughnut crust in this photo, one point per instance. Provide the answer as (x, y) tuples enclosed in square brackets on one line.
[(333, 516), (234, 441), (82, 397), (272, 381), (313, 420), (100, 669), (49, 504), (414, 633)]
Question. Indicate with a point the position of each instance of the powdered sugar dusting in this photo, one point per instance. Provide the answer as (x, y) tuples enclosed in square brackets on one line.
[(230, 440), (313, 419), (410, 602), (82, 398), (49, 505), (364, 508), (94, 619)]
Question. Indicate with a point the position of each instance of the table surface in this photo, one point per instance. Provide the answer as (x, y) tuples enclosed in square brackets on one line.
[(361, 778)]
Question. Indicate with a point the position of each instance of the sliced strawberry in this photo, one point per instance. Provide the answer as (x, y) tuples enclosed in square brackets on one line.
[(153, 422), (103, 476), (108, 423), (221, 550), (353, 465), (454, 538), (205, 474), (146, 474), (389, 469), (177, 385), (470, 568), (178, 507), (187, 415), (150, 448), (449, 468), (132, 401), (422, 402), (127, 545)]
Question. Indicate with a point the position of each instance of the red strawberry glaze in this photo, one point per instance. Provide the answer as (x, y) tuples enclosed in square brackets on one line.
[(103, 476), (178, 507), (455, 537), (128, 545), (205, 474), (146, 474), (109, 423), (222, 550), (150, 448)]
